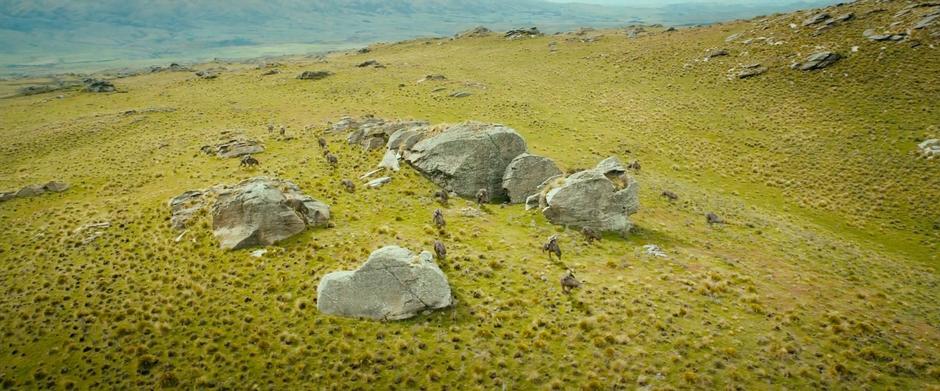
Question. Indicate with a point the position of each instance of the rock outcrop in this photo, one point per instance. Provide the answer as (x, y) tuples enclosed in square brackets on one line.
[(819, 60), (262, 211), (601, 199), (374, 133), (475, 32), (185, 206), (233, 146), (35, 190), (523, 33), (392, 284), (468, 157), (524, 175)]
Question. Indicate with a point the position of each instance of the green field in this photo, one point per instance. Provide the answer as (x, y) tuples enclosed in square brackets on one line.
[(824, 277)]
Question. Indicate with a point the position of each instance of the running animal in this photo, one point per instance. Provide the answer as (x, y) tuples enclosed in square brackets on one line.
[(332, 160), (569, 282), (712, 219), (552, 247), (349, 185), (438, 219), (440, 250), (483, 196), (248, 161)]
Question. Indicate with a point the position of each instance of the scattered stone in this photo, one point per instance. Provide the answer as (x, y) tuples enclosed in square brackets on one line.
[(393, 284), (927, 21), (271, 72), (872, 35), (259, 252), (263, 211), (35, 190), (845, 17), (379, 182), (236, 146), (96, 85), (751, 71), (601, 199), (525, 173), (476, 32), (460, 94), (468, 157), (314, 75), (733, 37), (91, 232), (819, 60), (390, 160), (654, 251), (715, 53), (523, 33), (207, 74), (433, 77), (471, 212), (370, 63), (815, 19), (930, 148)]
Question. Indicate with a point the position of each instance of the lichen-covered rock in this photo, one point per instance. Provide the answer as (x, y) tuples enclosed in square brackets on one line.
[(820, 60), (184, 207), (524, 175), (35, 190), (601, 199), (930, 148), (468, 157), (392, 284), (262, 211)]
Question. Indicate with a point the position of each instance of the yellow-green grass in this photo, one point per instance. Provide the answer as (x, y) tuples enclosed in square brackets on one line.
[(824, 276)]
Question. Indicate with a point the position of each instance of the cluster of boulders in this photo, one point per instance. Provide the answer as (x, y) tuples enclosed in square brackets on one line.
[(372, 133), (257, 212), (35, 190), (824, 21), (233, 144), (473, 157), (523, 33)]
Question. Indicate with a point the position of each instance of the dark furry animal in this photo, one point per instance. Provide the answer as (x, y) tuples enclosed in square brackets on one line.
[(590, 234), (349, 185), (635, 165), (248, 161), (672, 197), (552, 247), (438, 219), (332, 159), (713, 219), (283, 130), (569, 282), (483, 196), (442, 196), (440, 250), (322, 142)]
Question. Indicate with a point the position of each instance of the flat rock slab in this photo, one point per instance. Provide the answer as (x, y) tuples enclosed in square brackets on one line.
[(35, 190), (392, 284), (233, 147)]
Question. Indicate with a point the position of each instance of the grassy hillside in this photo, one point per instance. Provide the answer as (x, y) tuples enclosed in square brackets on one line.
[(826, 275)]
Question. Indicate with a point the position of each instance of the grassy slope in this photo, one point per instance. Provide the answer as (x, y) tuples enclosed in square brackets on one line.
[(825, 276)]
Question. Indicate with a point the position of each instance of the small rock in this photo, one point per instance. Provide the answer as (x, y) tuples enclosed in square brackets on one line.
[(314, 75), (390, 160), (523, 33), (654, 251), (820, 60), (752, 71), (475, 32), (460, 94), (96, 85), (818, 18), (379, 182), (715, 53)]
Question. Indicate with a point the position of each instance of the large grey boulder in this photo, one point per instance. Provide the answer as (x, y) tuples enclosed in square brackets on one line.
[(392, 284), (468, 157), (820, 60), (373, 133), (524, 175), (35, 190), (601, 199), (262, 211)]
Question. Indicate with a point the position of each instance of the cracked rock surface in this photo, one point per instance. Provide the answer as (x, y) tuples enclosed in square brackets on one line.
[(468, 157), (393, 284)]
